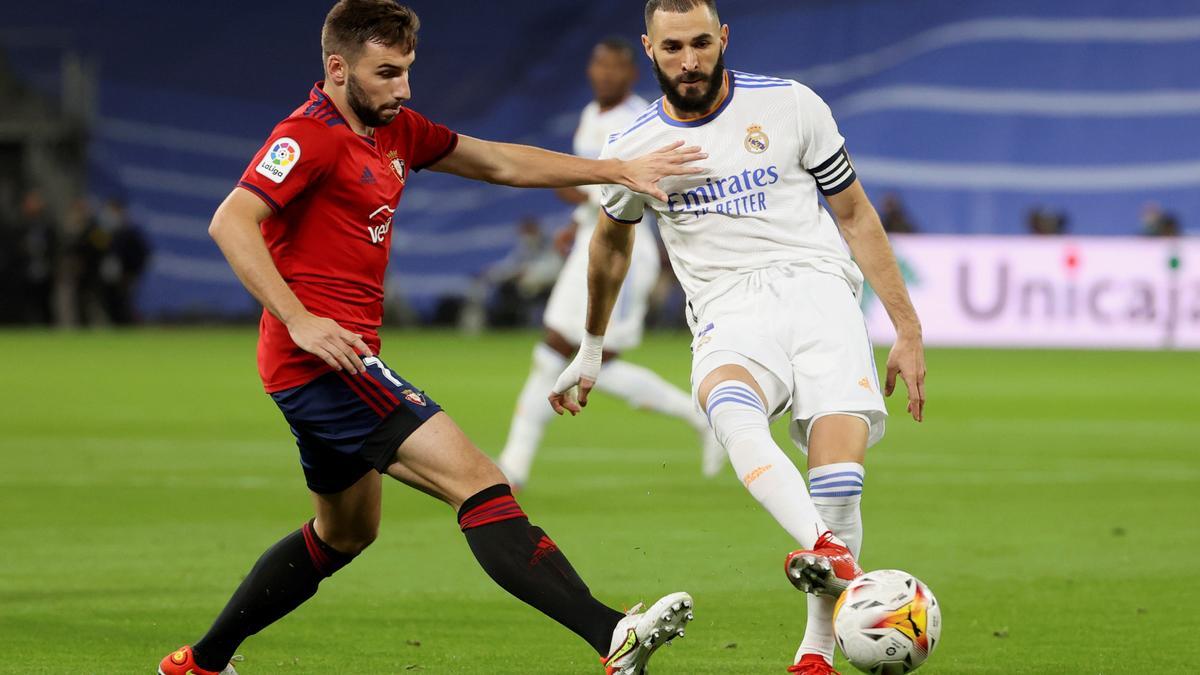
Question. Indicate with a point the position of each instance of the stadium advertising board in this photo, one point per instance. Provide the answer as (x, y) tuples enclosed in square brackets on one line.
[(1093, 292)]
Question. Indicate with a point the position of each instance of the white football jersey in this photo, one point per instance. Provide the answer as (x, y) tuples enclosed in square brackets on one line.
[(771, 145), (590, 137)]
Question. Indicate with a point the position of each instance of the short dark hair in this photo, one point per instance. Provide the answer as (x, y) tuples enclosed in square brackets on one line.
[(676, 6), (351, 24), (619, 45)]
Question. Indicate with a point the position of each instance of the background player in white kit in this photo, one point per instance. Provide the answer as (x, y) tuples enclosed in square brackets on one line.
[(772, 293), (612, 72)]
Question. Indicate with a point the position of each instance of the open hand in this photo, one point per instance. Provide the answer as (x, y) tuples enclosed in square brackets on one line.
[(643, 173)]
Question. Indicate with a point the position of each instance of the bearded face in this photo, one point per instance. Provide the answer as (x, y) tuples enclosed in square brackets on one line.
[(372, 113), (694, 91)]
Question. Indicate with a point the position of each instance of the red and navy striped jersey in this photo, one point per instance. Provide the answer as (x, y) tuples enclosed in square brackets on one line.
[(333, 195)]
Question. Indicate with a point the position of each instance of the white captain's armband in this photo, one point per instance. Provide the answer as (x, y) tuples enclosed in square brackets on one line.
[(834, 174)]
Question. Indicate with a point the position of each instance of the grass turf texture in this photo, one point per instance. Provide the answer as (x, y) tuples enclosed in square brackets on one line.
[(1049, 501)]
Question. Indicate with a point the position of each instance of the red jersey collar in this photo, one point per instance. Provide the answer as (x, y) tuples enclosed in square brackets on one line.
[(321, 105)]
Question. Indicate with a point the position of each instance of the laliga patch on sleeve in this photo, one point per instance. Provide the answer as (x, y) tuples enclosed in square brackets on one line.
[(279, 160)]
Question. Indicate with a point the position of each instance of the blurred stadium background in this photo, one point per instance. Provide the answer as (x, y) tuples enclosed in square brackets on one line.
[(1038, 164), (976, 118)]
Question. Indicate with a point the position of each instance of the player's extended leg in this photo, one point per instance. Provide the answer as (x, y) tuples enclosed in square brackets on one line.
[(289, 572), (532, 415), (439, 459), (837, 445), (737, 408), (645, 389)]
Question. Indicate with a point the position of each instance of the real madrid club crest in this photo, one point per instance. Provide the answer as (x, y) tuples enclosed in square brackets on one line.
[(756, 139), (397, 165)]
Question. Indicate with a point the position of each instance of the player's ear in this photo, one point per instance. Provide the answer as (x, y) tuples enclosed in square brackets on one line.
[(724, 38), (648, 47), (336, 69)]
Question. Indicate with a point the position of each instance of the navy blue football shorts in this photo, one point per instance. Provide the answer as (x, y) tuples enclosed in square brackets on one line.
[(346, 425)]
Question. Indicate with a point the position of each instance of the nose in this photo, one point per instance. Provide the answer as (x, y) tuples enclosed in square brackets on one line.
[(691, 59), (402, 91)]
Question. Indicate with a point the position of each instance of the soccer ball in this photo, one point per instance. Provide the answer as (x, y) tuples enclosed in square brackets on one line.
[(887, 622)]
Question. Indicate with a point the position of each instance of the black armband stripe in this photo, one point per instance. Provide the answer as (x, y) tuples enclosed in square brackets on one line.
[(834, 174)]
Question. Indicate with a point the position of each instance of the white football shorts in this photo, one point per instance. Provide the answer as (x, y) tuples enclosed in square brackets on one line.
[(805, 328)]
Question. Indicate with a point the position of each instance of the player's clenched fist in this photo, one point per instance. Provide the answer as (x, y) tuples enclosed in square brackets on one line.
[(571, 389), (336, 346)]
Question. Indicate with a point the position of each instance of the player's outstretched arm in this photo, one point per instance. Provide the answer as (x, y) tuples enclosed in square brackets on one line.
[(235, 228), (868, 242), (608, 262), (527, 166)]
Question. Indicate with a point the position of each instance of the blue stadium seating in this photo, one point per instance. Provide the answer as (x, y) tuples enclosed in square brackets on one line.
[(971, 111)]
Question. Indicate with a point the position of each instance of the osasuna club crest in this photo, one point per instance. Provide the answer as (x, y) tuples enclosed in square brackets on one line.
[(397, 165), (411, 395), (756, 139)]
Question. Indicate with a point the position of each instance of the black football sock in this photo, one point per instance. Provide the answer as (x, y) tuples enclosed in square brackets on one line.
[(527, 563), (283, 578)]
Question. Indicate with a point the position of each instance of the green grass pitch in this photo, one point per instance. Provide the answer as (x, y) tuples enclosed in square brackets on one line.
[(1050, 501)]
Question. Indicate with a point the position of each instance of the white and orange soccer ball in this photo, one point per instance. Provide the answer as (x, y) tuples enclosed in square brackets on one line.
[(887, 622)]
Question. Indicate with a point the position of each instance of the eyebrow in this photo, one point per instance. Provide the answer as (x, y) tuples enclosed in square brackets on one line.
[(668, 40)]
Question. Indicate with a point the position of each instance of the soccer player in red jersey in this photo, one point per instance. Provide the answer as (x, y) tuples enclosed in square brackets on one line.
[(307, 230)]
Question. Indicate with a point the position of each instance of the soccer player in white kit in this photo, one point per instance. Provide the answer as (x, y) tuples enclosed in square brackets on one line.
[(772, 293), (612, 72)]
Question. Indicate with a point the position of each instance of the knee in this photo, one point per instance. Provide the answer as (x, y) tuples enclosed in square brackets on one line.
[(480, 475), (730, 374), (735, 411), (357, 543), (739, 424), (484, 475), (352, 541)]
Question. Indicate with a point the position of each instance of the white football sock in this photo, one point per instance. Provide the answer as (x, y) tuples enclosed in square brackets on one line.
[(739, 420), (644, 388), (836, 490), (837, 493), (532, 415)]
